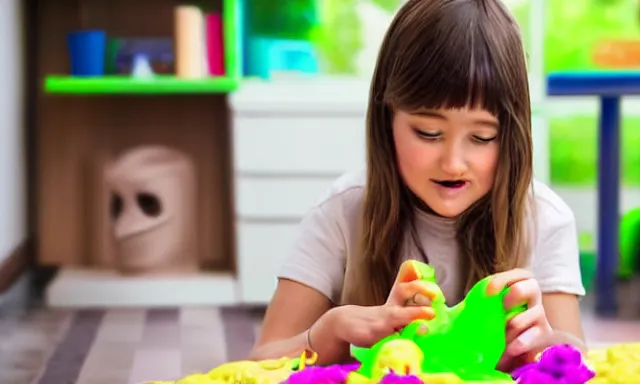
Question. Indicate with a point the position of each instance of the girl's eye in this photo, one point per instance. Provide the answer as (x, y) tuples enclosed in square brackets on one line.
[(484, 139), (428, 135)]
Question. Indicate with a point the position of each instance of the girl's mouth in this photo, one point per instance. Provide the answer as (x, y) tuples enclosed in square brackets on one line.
[(453, 184)]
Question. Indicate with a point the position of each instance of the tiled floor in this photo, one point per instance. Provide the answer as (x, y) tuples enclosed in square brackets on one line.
[(27, 342), (121, 345), (132, 345)]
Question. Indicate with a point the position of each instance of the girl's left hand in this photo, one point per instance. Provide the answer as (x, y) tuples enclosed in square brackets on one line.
[(526, 332)]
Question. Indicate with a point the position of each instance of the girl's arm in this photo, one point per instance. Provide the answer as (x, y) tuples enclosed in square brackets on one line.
[(292, 311), (563, 314), (556, 266)]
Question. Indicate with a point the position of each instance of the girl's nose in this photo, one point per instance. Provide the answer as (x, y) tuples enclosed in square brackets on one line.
[(453, 163)]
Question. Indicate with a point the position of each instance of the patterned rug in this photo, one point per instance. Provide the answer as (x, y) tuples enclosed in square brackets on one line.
[(125, 346)]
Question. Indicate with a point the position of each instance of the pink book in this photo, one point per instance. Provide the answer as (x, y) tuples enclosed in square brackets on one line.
[(215, 44)]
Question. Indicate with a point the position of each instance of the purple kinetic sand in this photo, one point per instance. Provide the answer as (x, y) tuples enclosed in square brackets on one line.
[(395, 379), (337, 374), (333, 374), (560, 364)]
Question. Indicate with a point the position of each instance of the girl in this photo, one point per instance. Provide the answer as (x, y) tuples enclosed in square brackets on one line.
[(449, 182)]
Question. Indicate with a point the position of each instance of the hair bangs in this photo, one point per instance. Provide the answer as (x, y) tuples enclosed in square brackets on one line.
[(447, 65)]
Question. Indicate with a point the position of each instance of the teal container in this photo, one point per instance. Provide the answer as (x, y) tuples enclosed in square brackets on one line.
[(268, 55), (270, 25)]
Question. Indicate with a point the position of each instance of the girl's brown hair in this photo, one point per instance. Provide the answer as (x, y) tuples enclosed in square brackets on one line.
[(445, 54)]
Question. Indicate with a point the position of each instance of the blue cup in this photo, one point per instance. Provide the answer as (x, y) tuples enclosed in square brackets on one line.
[(87, 50)]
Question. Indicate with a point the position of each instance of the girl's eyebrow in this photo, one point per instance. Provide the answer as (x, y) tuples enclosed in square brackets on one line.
[(487, 122), (491, 123), (429, 113)]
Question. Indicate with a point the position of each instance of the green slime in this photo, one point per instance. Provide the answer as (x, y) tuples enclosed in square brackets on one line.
[(467, 339)]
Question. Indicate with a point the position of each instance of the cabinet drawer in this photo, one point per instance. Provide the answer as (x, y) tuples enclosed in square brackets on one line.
[(262, 247), (298, 144), (266, 198)]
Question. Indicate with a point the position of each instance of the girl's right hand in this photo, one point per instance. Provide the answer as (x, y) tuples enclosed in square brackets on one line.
[(364, 326)]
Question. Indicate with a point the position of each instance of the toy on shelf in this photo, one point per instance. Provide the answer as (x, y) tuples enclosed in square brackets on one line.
[(86, 52), (269, 55), (461, 344), (201, 56), (141, 67), (279, 38), (215, 44), (190, 44), (122, 53)]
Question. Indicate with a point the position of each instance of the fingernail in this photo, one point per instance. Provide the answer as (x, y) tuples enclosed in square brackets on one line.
[(421, 299), (527, 337), (491, 288), (422, 330), (432, 294), (429, 311)]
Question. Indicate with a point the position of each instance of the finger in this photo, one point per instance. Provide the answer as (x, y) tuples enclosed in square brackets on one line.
[(501, 280), (403, 292), (408, 272), (509, 363), (520, 323), (422, 330), (505, 363), (525, 342), (419, 300), (401, 316), (523, 292)]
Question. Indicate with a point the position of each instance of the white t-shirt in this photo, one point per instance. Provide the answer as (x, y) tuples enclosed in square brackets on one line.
[(328, 236)]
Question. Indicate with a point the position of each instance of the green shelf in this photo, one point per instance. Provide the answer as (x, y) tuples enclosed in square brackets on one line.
[(128, 85)]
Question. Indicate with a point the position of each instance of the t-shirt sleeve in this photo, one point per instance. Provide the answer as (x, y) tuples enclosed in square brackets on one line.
[(556, 258), (318, 256)]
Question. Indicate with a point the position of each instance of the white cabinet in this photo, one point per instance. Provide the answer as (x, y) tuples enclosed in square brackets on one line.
[(291, 140), (304, 144)]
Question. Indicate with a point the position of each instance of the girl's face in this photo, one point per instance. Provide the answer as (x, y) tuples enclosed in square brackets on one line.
[(447, 157)]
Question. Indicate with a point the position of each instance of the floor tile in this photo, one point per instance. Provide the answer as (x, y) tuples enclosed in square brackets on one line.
[(156, 364)]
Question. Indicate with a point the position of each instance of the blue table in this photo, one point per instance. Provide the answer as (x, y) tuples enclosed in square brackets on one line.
[(610, 87)]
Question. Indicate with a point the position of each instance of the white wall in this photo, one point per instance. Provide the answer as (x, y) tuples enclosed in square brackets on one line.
[(12, 160)]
